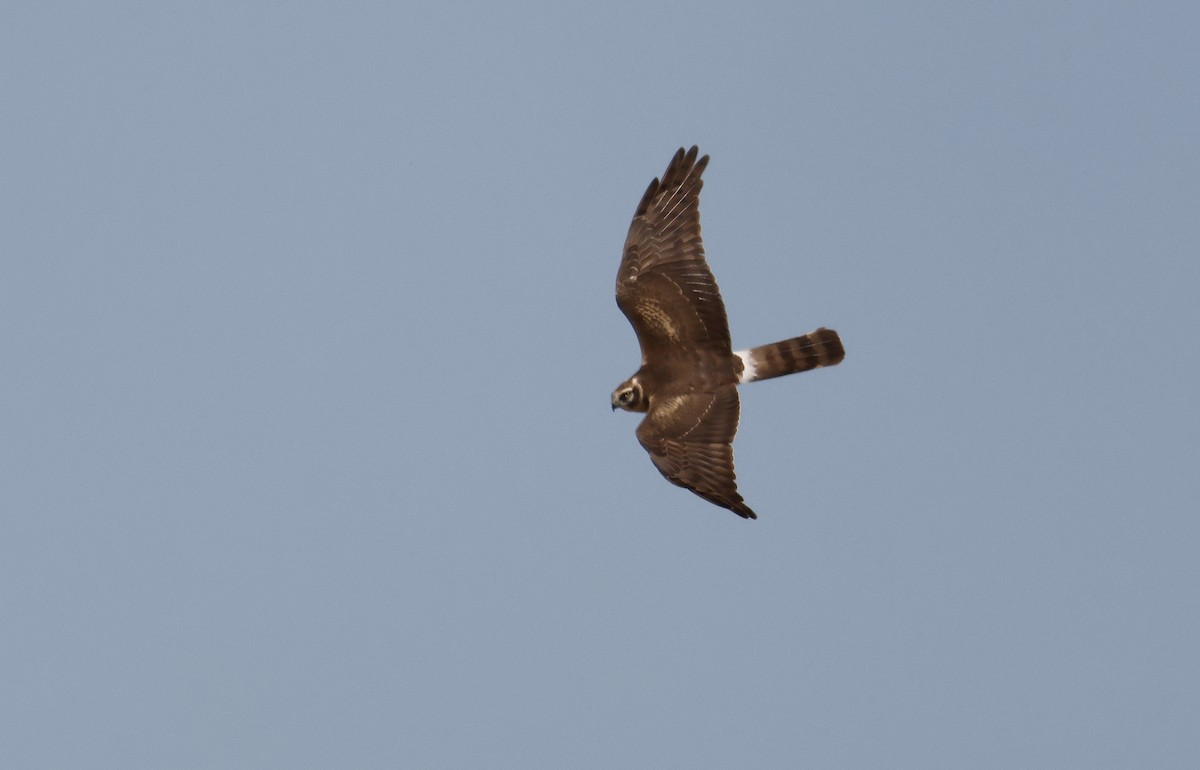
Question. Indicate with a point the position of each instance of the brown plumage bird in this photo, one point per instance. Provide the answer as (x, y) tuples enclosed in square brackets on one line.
[(687, 385)]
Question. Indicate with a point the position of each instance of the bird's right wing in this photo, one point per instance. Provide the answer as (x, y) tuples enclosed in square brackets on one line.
[(689, 438)]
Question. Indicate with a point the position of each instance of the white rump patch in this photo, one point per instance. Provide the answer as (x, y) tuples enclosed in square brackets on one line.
[(749, 373)]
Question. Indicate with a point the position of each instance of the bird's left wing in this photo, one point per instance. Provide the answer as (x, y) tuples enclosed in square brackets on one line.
[(664, 285)]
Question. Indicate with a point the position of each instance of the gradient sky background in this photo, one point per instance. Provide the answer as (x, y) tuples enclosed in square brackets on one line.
[(307, 336)]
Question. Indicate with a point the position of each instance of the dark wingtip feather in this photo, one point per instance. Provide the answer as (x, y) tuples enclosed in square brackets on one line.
[(647, 198), (744, 512), (682, 167)]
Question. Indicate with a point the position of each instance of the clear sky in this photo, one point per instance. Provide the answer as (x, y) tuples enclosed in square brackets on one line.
[(307, 335)]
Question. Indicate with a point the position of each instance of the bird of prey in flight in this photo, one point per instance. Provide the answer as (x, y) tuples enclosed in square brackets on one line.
[(687, 384)]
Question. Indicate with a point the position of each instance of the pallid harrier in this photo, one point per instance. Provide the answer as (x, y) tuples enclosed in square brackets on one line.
[(687, 385)]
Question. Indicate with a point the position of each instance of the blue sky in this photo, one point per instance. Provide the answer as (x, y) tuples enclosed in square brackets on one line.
[(308, 331)]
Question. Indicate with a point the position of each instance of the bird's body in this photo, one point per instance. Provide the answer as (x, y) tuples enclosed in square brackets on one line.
[(687, 384)]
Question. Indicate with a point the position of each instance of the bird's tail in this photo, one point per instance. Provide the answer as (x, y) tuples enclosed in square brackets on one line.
[(799, 354)]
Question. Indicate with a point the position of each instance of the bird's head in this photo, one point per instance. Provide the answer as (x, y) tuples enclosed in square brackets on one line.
[(629, 396)]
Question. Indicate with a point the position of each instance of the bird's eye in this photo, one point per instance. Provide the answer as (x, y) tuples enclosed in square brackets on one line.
[(625, 397)]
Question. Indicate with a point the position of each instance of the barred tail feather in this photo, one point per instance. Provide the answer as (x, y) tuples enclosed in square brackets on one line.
[(799, 354)]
